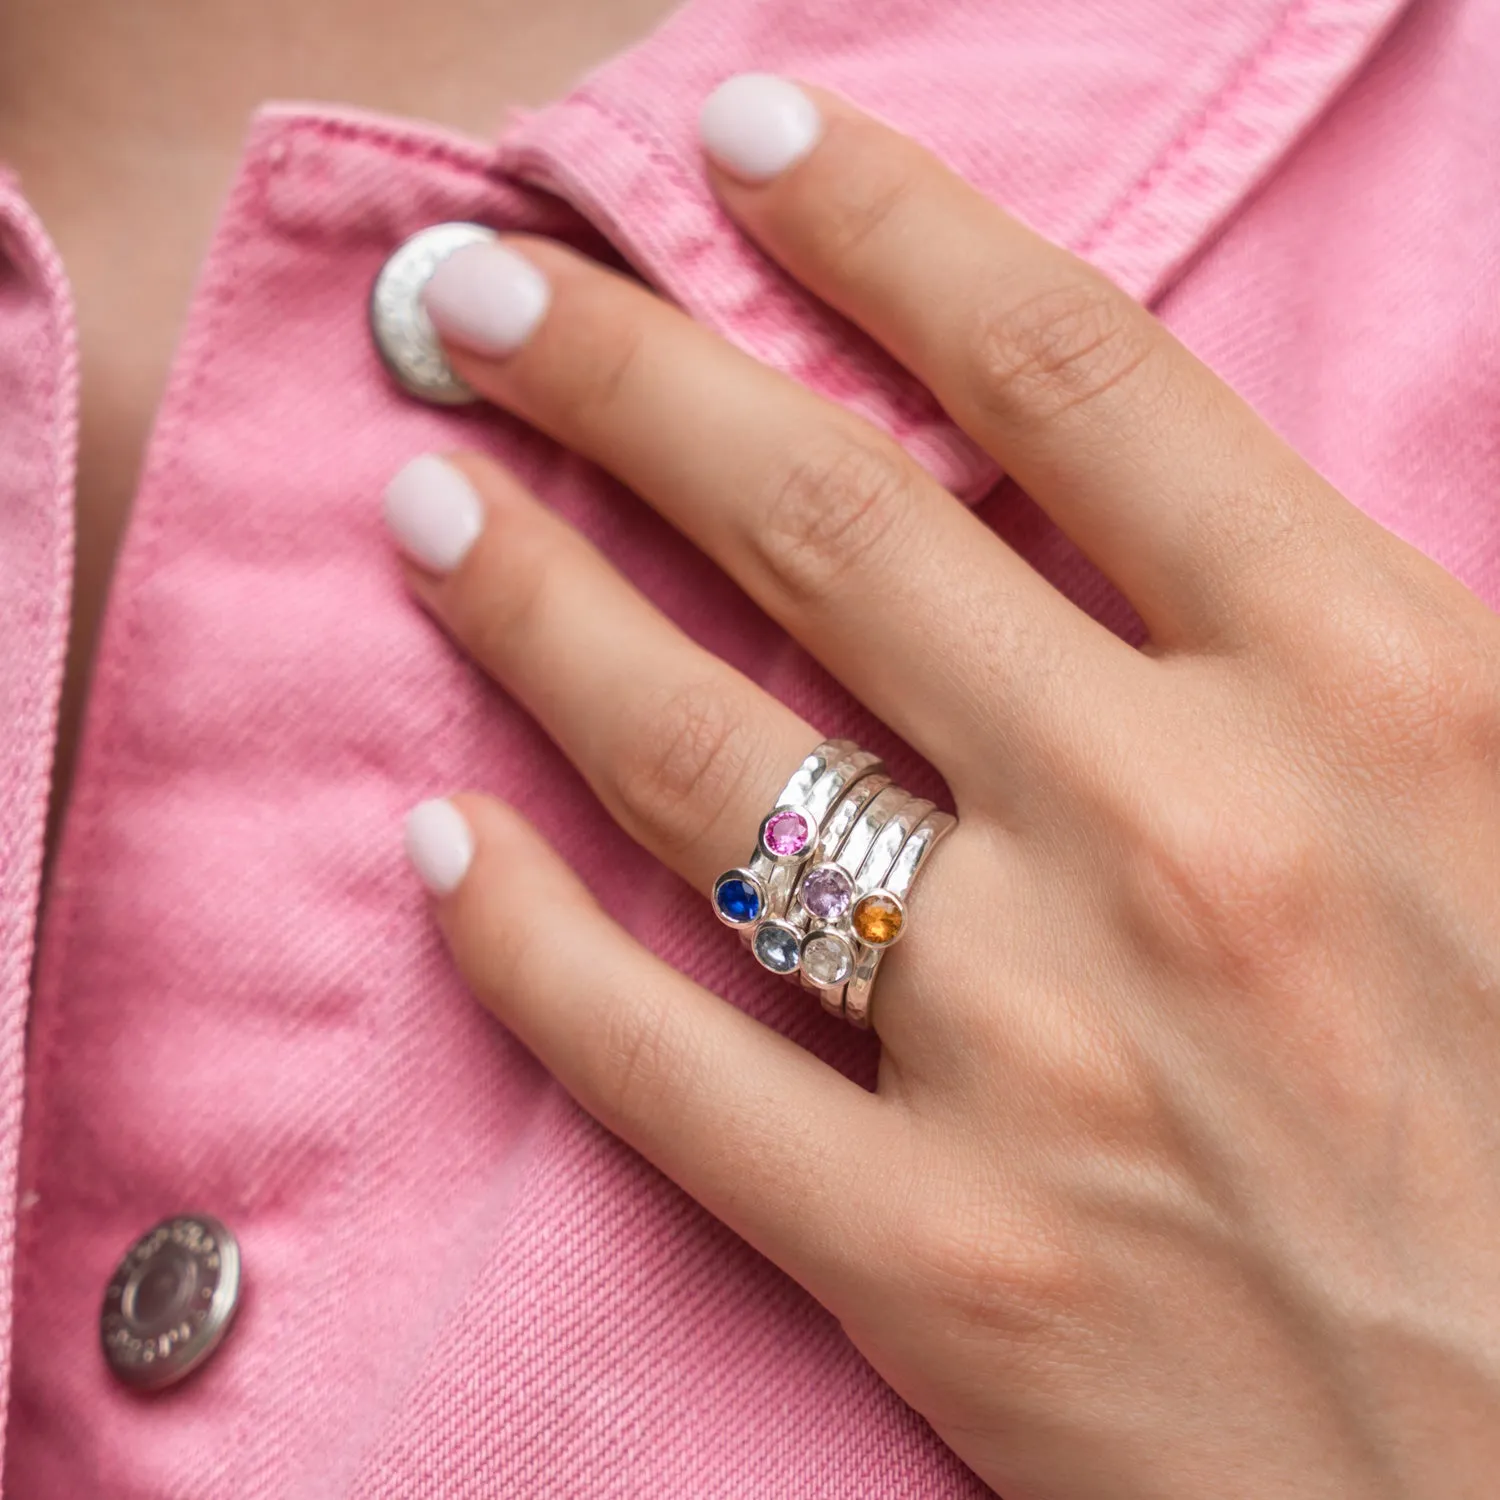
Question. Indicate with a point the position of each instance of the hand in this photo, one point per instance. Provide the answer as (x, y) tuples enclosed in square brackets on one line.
[(1182, 1175)]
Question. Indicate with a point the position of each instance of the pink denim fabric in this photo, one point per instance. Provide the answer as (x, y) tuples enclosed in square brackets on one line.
[(458, 1285)]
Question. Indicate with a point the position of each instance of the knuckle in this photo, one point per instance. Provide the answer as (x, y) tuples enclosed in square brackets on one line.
[(633, 1059), (683, 762), (1010, 1280), (1413, 687), (1094, 1074), (828, 512), (1059, 349), (496, 609), (858, 202), (594, 354), (994, 1261), (1229, 887), (1429, 692)]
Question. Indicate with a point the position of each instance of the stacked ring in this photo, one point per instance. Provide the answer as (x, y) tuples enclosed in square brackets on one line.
[(824, 893)]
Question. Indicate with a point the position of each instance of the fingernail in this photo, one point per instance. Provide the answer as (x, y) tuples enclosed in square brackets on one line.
[(756, 125), (434, 513), (487, 298), (439, 845)]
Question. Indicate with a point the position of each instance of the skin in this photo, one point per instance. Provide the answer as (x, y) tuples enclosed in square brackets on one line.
[(1180, 1176), (126, 120)]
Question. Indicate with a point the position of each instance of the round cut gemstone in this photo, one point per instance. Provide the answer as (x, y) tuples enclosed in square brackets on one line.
[(737, 900), (787, 833), (878, 919), (826, 892), (778, 948), (826, 959)]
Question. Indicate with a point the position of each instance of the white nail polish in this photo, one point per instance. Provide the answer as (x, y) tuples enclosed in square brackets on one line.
[(433, 513), (439, 845), (487, 298), (756, 125)]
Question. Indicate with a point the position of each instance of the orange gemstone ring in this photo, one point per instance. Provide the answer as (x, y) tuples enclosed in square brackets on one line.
[(879, 916)]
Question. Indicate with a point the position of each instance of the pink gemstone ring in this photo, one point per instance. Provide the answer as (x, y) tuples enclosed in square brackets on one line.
[(787, 833)]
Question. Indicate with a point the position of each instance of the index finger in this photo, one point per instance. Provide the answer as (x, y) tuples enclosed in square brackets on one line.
[(1153, 466)]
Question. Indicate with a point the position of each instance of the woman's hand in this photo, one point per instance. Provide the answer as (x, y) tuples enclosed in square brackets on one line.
[(1182, 1177)]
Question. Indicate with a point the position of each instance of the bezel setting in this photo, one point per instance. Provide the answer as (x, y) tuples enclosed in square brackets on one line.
[(776, 847), (722, 900), (826, 939), (770, 932), (830, 875), (879, 896)]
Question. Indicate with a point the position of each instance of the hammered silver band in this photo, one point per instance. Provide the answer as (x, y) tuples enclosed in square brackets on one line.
[(924, 838)]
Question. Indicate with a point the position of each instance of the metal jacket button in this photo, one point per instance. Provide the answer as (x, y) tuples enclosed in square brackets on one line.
[(170, 1301), (403, 333)]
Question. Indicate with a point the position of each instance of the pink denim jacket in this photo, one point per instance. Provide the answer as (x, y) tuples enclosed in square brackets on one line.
[(457, 1284)]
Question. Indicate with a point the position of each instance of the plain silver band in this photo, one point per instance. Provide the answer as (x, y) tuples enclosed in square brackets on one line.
[(899, 880), (888, 845)]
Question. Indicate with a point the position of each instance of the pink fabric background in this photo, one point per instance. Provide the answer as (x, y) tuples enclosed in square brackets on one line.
[(458, 1285)]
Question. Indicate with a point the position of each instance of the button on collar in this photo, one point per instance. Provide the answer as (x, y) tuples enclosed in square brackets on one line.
[(403, 333), (170, 1301)]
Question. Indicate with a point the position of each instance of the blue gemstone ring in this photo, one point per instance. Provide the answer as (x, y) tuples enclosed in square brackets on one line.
[(739, 898)]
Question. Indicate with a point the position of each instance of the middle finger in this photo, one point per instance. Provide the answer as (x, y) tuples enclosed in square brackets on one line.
[(919, 609)]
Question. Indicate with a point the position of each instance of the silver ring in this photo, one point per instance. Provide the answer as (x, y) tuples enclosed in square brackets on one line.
[(777, 862), (824, 892), (839, 822), (877, 813), (888, 902), (889, 843), (824, 887)]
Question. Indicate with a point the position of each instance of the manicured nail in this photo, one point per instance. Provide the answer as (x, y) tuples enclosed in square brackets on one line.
[(487, 298), (756, 125), (433, 513), (439, 845)]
